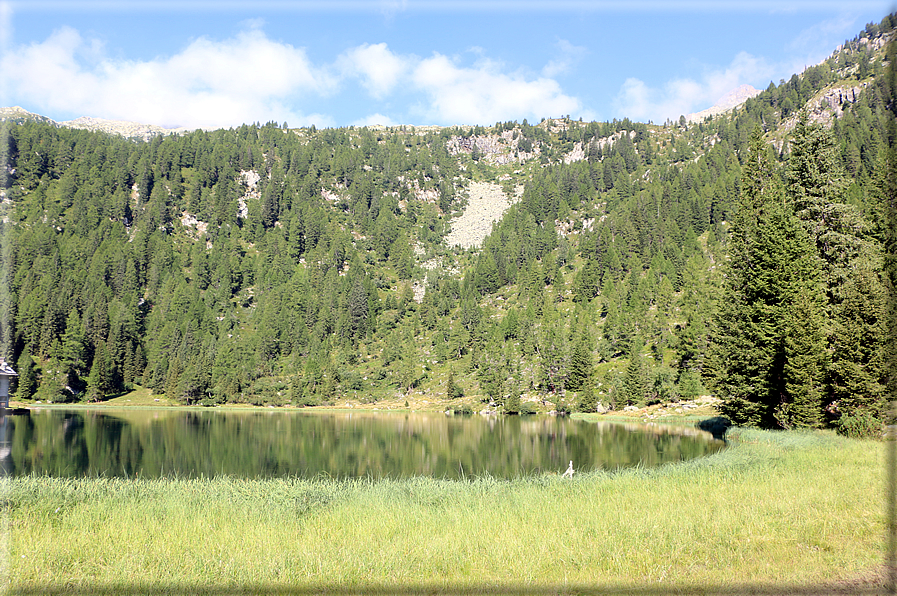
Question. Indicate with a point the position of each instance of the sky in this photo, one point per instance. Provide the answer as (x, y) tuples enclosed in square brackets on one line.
[(196, 63)]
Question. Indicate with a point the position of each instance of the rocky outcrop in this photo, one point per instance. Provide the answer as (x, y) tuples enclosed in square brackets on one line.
[(576, 154), (497, 149), (827, 105), (250, 180)]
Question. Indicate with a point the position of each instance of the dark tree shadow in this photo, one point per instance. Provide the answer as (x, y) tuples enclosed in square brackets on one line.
[(716, 426)]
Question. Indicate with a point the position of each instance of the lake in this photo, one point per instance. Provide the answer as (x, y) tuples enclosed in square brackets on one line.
[(191, 443)]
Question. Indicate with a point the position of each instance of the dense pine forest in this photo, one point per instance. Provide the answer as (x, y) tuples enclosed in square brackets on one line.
[(742, 256)]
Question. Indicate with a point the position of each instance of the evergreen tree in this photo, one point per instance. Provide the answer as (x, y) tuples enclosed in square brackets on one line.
[(27, 379), (815, 177), (856, 379), (804, 361), (588, 401), (409, 368), (100, 380), (511, 403), (452, 389), (850, 257), (635, 384), (773, 270), (580, 369), (73, 343), (359, 308)]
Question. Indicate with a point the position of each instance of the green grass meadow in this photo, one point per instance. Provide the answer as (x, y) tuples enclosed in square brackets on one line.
[(774, 512)]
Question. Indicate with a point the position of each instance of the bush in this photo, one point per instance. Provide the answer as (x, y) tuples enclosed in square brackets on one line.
[(587, 402), (527, 409), (212, 399), (512, 404), (861, 425)]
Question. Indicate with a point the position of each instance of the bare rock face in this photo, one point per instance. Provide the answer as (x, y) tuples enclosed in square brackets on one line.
[(498, 149), (576, 154), (824, 108)]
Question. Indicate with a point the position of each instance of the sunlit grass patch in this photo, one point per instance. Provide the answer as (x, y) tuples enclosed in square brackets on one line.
[(773, 508)]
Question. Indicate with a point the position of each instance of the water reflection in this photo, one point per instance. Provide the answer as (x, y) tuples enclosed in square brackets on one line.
[(190, 443)]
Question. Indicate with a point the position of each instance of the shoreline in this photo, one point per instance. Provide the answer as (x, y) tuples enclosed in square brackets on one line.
[(758, 513)]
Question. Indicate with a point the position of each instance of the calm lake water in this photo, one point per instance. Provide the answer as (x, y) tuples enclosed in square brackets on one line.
[(253, 444)]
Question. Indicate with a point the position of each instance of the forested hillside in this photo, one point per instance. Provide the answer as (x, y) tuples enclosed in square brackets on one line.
[(741, 256)]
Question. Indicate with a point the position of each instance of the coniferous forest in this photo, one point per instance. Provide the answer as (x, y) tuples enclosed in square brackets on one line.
[(743, 256)]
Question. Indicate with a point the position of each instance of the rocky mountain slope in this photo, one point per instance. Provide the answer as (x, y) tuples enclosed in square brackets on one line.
[(129, 130)]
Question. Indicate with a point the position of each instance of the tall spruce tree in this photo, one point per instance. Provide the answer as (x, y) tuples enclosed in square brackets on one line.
[(804, 363), (580, 362), (27, 380), (850, 261), (635, 384), (856, 379), (102, 376), (763, 377)]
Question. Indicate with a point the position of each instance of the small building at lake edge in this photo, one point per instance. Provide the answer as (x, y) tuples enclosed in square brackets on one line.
[(6, 373)]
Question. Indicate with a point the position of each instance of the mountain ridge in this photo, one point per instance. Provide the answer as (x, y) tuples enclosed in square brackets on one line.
[(124, 128)]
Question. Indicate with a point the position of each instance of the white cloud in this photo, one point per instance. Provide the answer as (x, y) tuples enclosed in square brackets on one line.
[(249, 78), (210, 83), (484, 94), (677, 97), (454, 94), (378, 67)]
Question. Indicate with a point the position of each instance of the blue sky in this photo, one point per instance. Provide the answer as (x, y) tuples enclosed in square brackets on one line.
[(219, 64)]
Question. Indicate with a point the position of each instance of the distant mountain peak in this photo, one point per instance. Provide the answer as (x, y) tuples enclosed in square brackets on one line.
[(732, 99)]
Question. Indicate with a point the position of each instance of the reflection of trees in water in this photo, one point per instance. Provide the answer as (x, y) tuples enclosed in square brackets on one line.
[(265, 444)]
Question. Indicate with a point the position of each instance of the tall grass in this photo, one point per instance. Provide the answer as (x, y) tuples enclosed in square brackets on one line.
[(774, 509)]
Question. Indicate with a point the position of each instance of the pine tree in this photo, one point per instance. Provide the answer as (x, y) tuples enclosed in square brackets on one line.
[(100, 380), (409, 369), (73, 343), (773, 272), (856, 379), (816, 180), (804, 362), (27, 379), (359, 308), (850, 260), (511, 403), (580, 369), (452, 389), (588, 401), (635, 384), (552, 349)]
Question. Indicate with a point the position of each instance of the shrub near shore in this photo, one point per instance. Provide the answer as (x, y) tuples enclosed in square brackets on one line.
[(774, 509)]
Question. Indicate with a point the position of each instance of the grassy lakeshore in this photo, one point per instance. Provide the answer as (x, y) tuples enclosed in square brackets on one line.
[(778, 511)]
